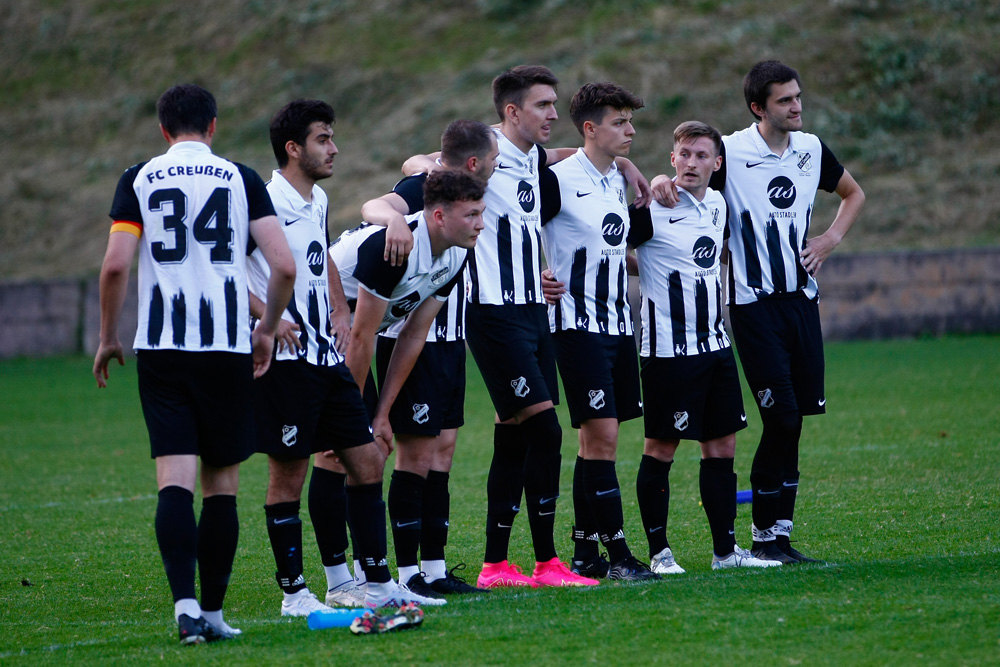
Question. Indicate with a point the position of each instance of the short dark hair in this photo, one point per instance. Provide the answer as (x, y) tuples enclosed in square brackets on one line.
[(757, 83), (692, 130), (445, 186), (186, 109), (292, 122), (593, 100), (511, 86), (463, 139)]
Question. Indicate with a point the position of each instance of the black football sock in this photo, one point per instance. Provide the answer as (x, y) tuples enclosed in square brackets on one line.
[(541, 480), (366, 513), (437, 509), (504, 487), (717, 482), (605, 498), (328, 512), (779, 433), (284, 530), (177, 537), (652, 488), (218, 535), (585, 547), (405, 502)]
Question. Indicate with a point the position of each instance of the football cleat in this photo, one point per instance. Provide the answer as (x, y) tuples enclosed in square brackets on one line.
[(301, 603), (631, 569), (664, 563), (555, 573), (348, 594), (417, 584), (595, 568), (452, 584), (785, 546), (504, 573), (391, 594), (740, 558), (198, 630), (770, 551), (407, 616)]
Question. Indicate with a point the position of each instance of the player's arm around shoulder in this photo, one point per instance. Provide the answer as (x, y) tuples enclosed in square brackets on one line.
[(113, 288), (269, 237), (818, 248), (389, 211)]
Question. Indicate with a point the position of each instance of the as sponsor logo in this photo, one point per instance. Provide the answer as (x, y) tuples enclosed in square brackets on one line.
[(613, 229), (704, 251), (314, 257), (781, 192), (406, 305), (526, 196)]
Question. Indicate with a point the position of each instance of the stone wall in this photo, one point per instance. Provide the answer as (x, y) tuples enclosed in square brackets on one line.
[(863, 296)]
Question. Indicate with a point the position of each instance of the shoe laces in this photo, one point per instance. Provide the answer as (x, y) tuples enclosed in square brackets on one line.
[(450, 574)]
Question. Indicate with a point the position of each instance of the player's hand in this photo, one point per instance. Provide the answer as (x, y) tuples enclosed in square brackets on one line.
[(383, 433), (331, 454), (105, 353), (665, 191), (288, 336), (398, 242), (340, 327), (263, 349), (815, 253), (552, 289)]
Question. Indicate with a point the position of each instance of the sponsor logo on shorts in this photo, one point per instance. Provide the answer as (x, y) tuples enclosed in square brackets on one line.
[(289, 435), (596, 398), (765, 398), (520, 386), (681, 420), (421, 413)]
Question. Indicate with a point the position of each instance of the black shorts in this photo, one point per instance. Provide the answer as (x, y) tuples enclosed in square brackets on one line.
[(197, 403), (600, 375), (433, 396), (781, 349), (301, 408), (696, 397), (513, 349)]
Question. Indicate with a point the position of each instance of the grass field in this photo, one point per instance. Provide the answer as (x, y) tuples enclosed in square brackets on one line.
[(899, 494)]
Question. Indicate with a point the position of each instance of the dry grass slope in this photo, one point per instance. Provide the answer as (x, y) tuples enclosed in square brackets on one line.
[(906, 94)]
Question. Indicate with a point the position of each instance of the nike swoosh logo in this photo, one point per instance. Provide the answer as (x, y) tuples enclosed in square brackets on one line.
[(291, 222), (501, 525), (751, 165), (822, 403), (547, 513), (604, 493), (546, 501), (743, 417), (285, 520), (767, 493), (582, 194), (653, 530), (501, 165), (673, 220), (408, 523)]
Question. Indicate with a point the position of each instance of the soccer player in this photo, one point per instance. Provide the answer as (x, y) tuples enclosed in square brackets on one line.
[(769, 177), (444, 230), (308, 402), (430, 409), (191, 215), (691, 388), (584, 227)]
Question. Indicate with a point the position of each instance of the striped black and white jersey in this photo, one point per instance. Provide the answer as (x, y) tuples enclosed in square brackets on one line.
[(679, 251), (359, 255), (584, 228), (770, 201), (305, 226), (505, 266), (191, 210), (449, 325)]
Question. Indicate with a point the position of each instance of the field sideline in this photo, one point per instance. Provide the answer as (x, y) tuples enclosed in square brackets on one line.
[(900, 492)]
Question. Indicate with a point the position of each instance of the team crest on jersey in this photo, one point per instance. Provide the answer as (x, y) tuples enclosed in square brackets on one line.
[(439, 277), (421, 413), (765, 398), (715, 218), (520, 386), (596, 399), (314, 257), (805, 161), (681, 420), (289, 435), (621, 195)]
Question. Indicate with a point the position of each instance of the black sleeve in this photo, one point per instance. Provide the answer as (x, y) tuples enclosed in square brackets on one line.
[(640, 227), (830, 170), (411, 189), (725, 233), (258, 201), (125, 205), (326, 224), (542, 157), (446, 289), (718, 179), (373, 271), (548, 186)]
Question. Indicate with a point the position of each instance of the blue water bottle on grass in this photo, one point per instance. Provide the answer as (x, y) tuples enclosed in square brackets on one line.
[(322, 619)]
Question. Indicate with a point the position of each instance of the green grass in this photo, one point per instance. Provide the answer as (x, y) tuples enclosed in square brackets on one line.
[(899, 493)]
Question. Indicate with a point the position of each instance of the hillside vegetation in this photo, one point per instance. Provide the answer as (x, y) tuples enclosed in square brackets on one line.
[(905, 92)]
